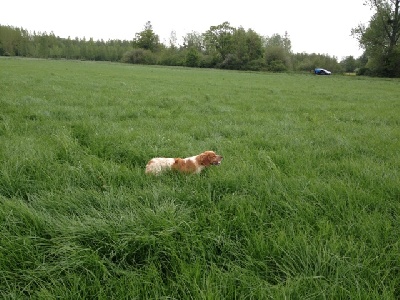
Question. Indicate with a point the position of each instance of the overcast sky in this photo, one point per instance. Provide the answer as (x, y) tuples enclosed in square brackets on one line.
[(314, 26)]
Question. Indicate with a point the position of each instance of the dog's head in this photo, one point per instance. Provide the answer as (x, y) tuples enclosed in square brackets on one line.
[(208, 158)]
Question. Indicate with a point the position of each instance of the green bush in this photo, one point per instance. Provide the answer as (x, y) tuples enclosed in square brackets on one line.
[(139, 56), (277, 66), (172, 57), (192, 58), (207, 61), (231, 62), (364, 71), (256, 65)]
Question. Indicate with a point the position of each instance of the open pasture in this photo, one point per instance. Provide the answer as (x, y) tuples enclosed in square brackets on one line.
[(305, 205)]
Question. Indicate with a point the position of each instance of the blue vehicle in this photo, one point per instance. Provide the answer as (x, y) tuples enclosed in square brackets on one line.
[(319, 71)]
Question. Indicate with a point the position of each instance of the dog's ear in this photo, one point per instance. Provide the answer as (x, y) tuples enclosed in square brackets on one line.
[(204, 159)]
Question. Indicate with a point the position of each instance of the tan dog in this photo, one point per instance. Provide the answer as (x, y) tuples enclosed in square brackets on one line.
[(189, 165)]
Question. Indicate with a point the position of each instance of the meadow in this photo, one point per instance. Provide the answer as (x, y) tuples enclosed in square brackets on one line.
[(305, 205)]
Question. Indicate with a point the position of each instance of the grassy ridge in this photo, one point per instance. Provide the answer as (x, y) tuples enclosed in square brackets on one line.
[(305, 204)]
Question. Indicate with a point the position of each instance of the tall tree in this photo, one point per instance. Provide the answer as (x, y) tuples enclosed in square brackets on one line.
[(278, 52), (219, 38), (193, 40), (246, 48), (147, 39), (254, 44), (349, 64), (10, 39), (173, 40), (380, 38)]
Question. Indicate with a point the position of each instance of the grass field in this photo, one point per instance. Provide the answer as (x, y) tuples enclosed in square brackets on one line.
[(305, 205)]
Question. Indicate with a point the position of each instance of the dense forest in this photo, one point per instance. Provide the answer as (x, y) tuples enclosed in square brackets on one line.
[(222, 46)]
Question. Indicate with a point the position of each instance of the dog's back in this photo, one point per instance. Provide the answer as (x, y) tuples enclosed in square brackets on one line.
[(159, 164)]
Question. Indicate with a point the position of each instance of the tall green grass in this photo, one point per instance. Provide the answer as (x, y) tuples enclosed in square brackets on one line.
[(304, 206)]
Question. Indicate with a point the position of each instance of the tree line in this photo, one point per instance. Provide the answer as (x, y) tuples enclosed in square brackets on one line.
[(222, 46), (20, 42)]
